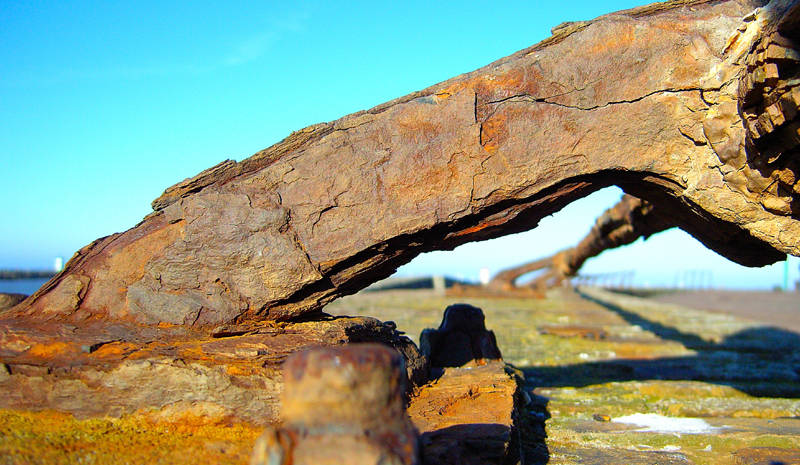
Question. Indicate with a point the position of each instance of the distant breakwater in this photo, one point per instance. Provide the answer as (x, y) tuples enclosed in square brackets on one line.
[(26, 274)]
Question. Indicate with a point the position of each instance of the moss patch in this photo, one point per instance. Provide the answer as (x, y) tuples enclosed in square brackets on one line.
[(56, 438)]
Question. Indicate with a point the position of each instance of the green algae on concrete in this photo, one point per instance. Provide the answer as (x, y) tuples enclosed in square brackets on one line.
[(738, 375), (49, 437)]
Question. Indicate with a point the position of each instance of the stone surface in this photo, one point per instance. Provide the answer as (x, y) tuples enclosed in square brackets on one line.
[(342, 405), (234, 373), (9, 300), (781, 307), (466, 416), (690, 105), (461, 338), (766, 456)]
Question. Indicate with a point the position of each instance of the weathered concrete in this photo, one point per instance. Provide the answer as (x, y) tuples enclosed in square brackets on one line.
[(737, 375), (654, 358)]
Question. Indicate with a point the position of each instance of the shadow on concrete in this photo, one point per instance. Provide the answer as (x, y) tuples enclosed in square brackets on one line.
[(761, 361), (531, 427), (467, 444)]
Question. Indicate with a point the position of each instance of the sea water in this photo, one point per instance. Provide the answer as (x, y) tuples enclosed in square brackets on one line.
[(21, 286)]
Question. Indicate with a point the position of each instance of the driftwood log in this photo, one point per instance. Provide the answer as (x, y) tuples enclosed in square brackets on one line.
[(622, 224), (691, 105)]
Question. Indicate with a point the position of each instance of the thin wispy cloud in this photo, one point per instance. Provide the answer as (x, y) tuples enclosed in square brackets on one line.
[(251, 48), (247, 50), (255, 46)]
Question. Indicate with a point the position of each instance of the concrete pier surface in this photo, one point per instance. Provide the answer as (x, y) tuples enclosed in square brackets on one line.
[(620, 379)]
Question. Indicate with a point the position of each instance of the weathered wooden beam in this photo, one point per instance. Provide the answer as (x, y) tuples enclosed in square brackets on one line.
[(691, 105), (625, 222)]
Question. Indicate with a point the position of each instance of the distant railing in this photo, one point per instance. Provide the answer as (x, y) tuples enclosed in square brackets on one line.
[(624, 280), (436, 282), (615, 280)]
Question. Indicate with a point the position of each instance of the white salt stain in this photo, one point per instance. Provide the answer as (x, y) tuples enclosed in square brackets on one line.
[(654, 423)]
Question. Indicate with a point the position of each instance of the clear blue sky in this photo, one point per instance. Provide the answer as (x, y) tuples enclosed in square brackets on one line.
[(104, 104)]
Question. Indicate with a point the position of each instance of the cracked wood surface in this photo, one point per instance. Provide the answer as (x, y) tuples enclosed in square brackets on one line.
[(647, 99)]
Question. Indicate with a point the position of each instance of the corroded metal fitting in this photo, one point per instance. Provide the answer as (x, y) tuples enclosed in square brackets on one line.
[(342, 404), (461, 338)]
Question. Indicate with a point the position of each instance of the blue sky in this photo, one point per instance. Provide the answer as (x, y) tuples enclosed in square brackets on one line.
[(105, 104)]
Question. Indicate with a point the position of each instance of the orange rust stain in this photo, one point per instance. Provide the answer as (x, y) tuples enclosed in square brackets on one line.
[(615, 42), (503, 84), (142, 353), (441, 96), (52, 349), (472, 229), (494, 132), (490, 148), (143, 437), (236, 370), (194, 352), (732, 41), (114, 350), (454, 88), (480, 226)]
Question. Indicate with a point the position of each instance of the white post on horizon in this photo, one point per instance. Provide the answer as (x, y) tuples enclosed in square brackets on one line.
[(484, 276), (58, 264), (439, 284)]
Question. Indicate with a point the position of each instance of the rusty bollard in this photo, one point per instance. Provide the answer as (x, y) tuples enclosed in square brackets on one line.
[(461, 338), (341, 405)]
